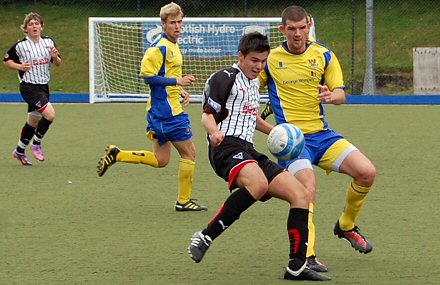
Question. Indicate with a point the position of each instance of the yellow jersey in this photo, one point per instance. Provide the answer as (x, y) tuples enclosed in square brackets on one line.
[(292, 80), (163, 59)]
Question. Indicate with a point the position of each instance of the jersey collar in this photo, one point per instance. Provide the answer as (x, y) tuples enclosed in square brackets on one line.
[(165, 36), (284, 44)]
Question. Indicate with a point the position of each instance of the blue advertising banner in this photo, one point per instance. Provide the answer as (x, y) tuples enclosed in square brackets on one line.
[(207, 39)]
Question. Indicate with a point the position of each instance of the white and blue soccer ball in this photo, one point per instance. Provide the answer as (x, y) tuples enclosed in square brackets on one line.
[(286, 141)]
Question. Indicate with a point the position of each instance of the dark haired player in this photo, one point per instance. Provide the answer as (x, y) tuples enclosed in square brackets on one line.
[(230, 117)]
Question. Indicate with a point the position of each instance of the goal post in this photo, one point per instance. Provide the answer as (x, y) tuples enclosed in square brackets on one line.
[(117, 45)]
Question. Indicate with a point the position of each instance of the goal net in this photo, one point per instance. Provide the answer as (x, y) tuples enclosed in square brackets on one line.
[(117, 45)]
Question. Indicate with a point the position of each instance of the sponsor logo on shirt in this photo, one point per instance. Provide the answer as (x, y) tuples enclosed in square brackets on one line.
[(40, 61), (313, 64), (238, 156), (228, 73), (281, 65), (214, 105), (250, 109)]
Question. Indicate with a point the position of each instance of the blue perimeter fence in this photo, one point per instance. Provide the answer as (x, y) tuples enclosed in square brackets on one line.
[(351, 99)]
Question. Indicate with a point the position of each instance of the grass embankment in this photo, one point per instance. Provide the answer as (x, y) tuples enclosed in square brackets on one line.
[(398, 28)]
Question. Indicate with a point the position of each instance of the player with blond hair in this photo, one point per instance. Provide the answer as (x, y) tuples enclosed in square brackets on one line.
[(167, 124)]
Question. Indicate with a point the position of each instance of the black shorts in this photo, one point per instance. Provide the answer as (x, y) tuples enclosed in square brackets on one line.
[(35, 95), (234, 151)]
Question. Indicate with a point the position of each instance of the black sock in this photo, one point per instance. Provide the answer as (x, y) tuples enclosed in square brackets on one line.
[(297, 228), (43, 126), (238, 202), (27, 132)]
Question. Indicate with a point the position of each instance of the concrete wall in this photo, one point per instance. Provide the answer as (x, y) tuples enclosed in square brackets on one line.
[(426, 70)]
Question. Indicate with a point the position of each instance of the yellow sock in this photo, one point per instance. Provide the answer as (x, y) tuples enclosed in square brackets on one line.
[(355, 199), (312, 235), (186, 174), (138, 156)]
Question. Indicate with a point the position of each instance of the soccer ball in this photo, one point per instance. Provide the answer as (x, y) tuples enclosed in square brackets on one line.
[(286, 141)]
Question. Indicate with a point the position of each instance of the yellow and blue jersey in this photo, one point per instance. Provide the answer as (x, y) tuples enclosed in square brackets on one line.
[(161, 65), (292, 80)]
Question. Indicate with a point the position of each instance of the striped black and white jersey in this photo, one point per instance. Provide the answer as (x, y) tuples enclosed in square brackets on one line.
[(38, 54), (233, 100)]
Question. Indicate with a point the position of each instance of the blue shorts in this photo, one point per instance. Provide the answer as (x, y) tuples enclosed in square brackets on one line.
[(175, 129), (317, 145)]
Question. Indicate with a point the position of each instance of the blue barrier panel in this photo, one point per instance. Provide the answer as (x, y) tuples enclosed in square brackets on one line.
[(54, 98), (394, 99), (351, 99)]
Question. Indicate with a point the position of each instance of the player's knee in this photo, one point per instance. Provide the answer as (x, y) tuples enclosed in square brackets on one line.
[(261, 184), (33, 122), (310, 185), (258, 188), (190, 156), (307, 179), (162, 162), (49, 112), (367, 176), (188, 152), (312, 193), (300, 196), (50, 117), (370, 175)]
